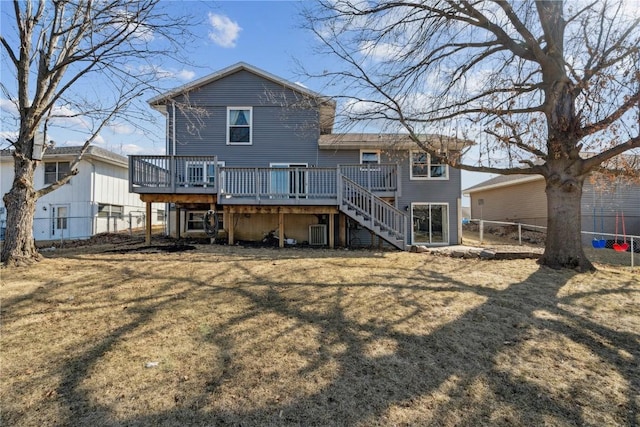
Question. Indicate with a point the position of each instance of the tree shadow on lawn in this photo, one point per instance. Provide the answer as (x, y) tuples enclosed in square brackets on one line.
[(445, 364)]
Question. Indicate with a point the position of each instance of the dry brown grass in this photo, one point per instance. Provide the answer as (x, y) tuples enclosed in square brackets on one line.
[(315, 337)]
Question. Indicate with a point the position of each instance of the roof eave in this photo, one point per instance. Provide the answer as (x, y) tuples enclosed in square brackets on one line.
[(518, 181), (161, 99)]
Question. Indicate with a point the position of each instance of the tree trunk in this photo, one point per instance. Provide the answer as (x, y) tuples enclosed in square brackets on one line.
[(563, 248), (19, 247)]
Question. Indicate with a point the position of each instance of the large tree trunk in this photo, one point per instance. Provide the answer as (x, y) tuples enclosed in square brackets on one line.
[(19, 246), (563, 247)]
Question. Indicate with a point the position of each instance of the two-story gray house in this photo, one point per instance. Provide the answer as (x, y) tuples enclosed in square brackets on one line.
[(252, 155)]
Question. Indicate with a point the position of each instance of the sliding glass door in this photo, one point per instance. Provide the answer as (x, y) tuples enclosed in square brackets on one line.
[(430, 222)]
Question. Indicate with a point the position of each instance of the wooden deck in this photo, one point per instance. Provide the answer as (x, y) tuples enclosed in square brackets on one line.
[(194, 179)]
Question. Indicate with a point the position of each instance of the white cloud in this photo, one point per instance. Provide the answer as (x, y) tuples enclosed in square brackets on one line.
[(383, 51), (138, 31), (132, 149), (4, 135), (185, 75), (162, 73), (67, 117), (9, 107), (129, 149), (225, 31), (121, 129), (72, 142)]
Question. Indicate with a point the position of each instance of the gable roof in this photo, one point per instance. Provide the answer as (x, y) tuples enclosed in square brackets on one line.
[(327, 105), (631, 160), (502, 181), (71, 152)]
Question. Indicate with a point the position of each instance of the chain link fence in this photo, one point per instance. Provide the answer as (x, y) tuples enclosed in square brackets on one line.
[(61, 229), (605, 248)]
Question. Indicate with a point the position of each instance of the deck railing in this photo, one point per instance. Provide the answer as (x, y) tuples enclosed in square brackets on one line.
[(173, 174), (278, 183), (382, 177), (201, 174), (374, 210)]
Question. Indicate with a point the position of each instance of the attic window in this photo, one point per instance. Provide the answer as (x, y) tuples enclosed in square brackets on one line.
[(239, 121)]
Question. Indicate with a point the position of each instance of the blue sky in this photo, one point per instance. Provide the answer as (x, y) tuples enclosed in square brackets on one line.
[(266, 34)]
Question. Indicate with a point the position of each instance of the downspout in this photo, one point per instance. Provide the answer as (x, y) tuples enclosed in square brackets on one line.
[(173, 127), (94, 204), (173, 153)]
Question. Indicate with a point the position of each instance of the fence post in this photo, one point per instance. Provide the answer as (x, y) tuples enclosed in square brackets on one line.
[(520, 234), (130, 224), (632, 251), (481, 231)]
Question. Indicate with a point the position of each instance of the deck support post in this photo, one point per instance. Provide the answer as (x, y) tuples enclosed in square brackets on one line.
[(229, 219), (331, 231), (147, 231), (281, 230), (178, 221), (212, 206), (342, 230)]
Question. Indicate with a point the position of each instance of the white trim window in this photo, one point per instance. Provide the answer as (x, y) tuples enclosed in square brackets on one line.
[(239, 125), (53, 171), (106, 210), (430, 223), (424, 166), (369, 157)]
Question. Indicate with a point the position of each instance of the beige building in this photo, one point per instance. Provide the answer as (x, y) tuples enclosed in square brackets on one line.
[(522, 198)]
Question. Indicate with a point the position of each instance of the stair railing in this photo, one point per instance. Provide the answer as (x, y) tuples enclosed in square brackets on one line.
[(375, 211)]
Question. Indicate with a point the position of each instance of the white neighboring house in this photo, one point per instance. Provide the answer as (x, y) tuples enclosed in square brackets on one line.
[(96, 200)]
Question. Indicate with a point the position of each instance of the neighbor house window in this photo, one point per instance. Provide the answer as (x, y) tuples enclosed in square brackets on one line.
[(425, 166), (160, 215), (111, 211), (239, 121), (53, 171), (369, 157)]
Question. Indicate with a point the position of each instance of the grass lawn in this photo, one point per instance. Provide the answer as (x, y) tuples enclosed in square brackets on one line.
[(252, 336)]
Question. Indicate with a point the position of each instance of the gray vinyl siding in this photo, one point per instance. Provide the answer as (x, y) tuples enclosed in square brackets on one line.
[(284, 125), (429, 191), (285, 129), (412, 191)]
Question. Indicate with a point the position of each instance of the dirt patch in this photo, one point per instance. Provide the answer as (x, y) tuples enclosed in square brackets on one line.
[(153, 249)]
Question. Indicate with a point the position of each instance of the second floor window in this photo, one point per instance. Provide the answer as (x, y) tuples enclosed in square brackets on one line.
[(424, 166), (53, 171), (239, 125)]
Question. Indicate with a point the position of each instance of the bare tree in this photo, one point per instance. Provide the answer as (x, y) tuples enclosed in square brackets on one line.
[(543, 87), (57, 51)]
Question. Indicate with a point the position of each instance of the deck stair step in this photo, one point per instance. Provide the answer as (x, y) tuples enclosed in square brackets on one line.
[(373, 213)]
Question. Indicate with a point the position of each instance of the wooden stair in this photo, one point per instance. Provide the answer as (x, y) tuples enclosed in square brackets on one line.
[(373, 213)]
